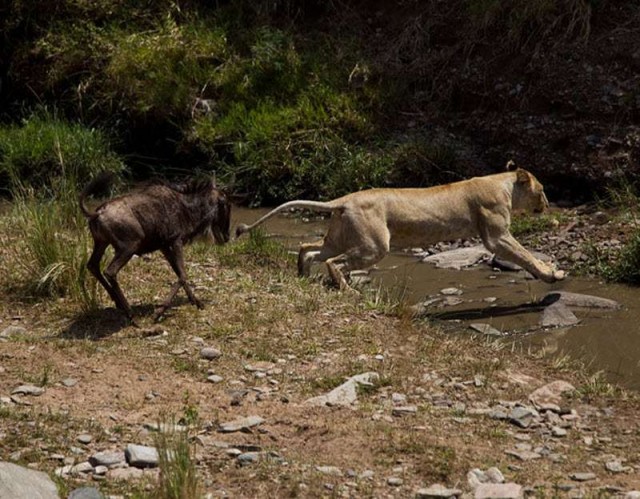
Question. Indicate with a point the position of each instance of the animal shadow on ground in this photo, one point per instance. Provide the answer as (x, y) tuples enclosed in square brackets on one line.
[(488, 312), (97, 324)]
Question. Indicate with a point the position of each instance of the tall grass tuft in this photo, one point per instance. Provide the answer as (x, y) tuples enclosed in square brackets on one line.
[(45, 162), (178, 475)]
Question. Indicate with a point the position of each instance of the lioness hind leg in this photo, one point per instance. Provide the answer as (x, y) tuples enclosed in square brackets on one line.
[(508, 248), (354, 259), (308, 254)]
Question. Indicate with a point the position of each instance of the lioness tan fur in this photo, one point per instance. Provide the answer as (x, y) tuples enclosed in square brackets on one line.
[(365, 224)]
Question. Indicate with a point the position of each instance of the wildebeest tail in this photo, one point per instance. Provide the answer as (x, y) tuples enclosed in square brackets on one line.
[(98, 185)]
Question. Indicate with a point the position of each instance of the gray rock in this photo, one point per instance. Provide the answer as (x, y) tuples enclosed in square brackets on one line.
[(124, 474), (85, 438), (486, 329), (141, 456), (17, 482), (522, 416), (241, 424), (84, 467), (13, 331), (616, 467), (498, 491), (107, 458), (436, 491), (558, 315), (28, 390), (450, 291), (214, 378), (458, 258), (345, 394), (69, 382), (247, 458), (550, 396), (209, 353), (476, 477), (632, 494), (329, 470), (557, 431), (85, 493), (394, 481), (579, 300), (523, 455), (582, 477), (404, 410)]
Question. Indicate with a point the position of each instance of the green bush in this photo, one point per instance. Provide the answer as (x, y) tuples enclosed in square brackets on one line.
[(626, 267), (47, 155)]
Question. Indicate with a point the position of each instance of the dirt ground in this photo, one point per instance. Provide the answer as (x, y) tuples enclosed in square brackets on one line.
[(281, 341)]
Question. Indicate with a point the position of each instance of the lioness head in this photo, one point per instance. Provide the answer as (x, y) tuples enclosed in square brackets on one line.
[(528, 193)]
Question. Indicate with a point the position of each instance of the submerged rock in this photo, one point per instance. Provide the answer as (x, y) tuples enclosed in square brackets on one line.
[(579, 300), (558, 315)]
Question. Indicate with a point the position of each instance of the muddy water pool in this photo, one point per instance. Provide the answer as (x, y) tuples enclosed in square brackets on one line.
[(606, 340)]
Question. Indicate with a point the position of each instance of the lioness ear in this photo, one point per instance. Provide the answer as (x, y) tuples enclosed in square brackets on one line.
[(511, 165), (522, 176)]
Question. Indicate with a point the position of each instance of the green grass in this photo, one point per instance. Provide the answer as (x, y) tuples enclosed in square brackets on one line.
[(46, 156)]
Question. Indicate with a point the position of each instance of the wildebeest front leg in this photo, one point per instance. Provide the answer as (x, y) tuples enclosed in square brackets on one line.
[(175, 258)]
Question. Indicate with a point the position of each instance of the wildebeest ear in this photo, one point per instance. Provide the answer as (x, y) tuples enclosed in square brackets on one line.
[(511, 166), (522, 176)]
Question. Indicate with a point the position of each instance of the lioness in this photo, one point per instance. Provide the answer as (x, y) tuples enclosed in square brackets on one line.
[(364, 224)]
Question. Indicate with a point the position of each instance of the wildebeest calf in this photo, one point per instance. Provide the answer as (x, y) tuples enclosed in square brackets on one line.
[(159, 216)]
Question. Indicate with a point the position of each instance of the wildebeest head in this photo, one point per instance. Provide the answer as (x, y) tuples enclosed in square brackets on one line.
[(221, 223)]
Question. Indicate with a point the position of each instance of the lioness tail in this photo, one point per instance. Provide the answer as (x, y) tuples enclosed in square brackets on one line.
[(313, 205)]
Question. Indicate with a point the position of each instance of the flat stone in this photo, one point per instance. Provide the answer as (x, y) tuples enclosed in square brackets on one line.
[(550, 396), (558, 315), (521, 416), (458, 258), (85, 438), (141, 456), (17, 482), (437, 491), (345, 394), (84, 467), (523, 455), (107, 458), (329, 470), (579, 300), (209, 353), (557, 431), (451, 291), (241, 424), (69, 382), (404, 410), (13, 331), (214, 378), (85, 493), (498, 491), (28, 390), (124, 474), (394, 481), (486, 329), (582, 477)]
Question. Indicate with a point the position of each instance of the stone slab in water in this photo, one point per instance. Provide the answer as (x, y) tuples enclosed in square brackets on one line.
[(458, 258), (17, 482), (579, 300), (558, 315)]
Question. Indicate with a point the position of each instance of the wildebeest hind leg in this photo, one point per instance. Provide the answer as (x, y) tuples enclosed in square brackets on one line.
[(94, 267), (119, 260)]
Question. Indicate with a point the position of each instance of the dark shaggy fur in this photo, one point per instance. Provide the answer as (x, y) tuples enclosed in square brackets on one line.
[(158, 216)]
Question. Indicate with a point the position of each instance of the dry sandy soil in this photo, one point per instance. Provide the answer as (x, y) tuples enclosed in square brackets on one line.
[(283, 340)]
